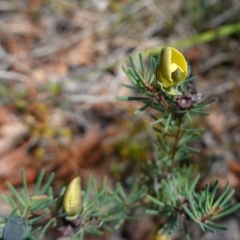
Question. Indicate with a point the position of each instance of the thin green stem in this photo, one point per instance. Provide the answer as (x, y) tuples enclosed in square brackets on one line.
[(175, 145)]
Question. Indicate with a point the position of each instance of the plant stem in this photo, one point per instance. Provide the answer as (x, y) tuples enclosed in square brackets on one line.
[(176, 137)]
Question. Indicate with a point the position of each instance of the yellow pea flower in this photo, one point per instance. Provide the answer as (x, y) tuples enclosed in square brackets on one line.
[(173, 68), (73, 199)]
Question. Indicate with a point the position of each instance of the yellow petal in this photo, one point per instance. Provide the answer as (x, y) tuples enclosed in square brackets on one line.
[(164, 75), (178, 59), (72, 201), (172, 69)]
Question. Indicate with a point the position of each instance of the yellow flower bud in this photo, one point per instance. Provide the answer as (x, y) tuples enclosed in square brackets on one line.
[(173, 68), (73, 200)]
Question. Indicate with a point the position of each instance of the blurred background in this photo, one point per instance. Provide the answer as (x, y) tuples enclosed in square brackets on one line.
[(61, 69)]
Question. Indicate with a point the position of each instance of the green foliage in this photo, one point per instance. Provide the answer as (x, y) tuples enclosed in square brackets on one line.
[(29, 205), (171, 177), (167, 186), (103, 210)]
